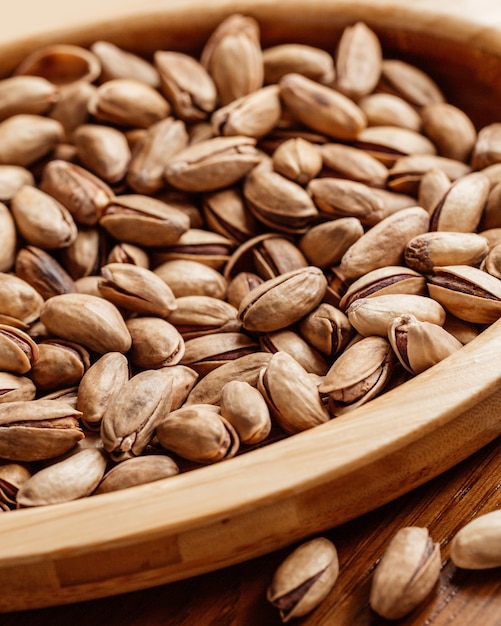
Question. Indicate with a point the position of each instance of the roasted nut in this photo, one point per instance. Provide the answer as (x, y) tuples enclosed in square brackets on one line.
[(137, 471), (477, 544)]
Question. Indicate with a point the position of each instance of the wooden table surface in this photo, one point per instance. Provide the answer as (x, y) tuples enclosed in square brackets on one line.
[(235, 596)]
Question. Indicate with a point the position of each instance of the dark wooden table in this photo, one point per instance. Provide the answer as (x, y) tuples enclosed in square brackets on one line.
[(236, 596)]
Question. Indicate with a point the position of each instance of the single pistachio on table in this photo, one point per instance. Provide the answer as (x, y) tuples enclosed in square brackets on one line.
[(128, 102), (136, 289), (373, 316), (286, 340), (24, 138), (304, 578), (282, 301), (161, 141), (43, 272), (60, 364), (325, 244), (41, 220), (119, 63), (200, 245), (327, 329), (245, 368), (477, 545), (87, 320), (383, 109), (103, 150), (35, 430), (291, 394), (12, 477), (137, 471), (100, 383), (438, 248), (245, 408), (18, 299), (353, 164), (419, 345), (186, 84), (289, 58), (191, 278), (155, 342), (198, 433), (8, 239), (359, 60), (232, 55), (18, 351), (410, 82), (132, 415), (358, 374), (406, 574), (212, 164), (467, 292), (450, 129), (390, 279), (14, 387), (200, 315), (384, 244), (12, 178), (74, 477), (208, 352), (225, 213), (144, 221)]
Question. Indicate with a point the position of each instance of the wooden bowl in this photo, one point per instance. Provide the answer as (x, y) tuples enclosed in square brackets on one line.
[(271, 497)]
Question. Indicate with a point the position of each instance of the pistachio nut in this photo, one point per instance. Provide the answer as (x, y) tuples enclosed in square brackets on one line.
[(406, 574), (297, 159), (240, 286), (87, 320), (186, 84), (296, 58), (212, 164), (245, 408), (352, 163), (407, 172), (35, 430), (191, 278), (198, 433), (467, 292), (487, 148), (490, 217), (384, 244), (428, 250), (74, 477), (325, 244), (71, 107), (155, 342), (136, 289), (450, 129), (291, 394), (461, 207), (18, 351), (321, 108), (183, 380), (131, 416), (384, 109), (26, 94), (138, 470), (419, 345), (373, 316), (432, 187), (358, 374), (492, 262), (199, 245), (12, 178), (14, 388), (18, 299), (389, 143), (8, 239), (282, 301), (206, 353), (129, 253), (287, 340), (327, 329), (26, 138), (226, 213), (304, 578), (200, 315), (12, 477), (119, 63), (477, 544), (60, 364), (86, 254), (103, 150), (99, 384), (43, 272), (410, 82)]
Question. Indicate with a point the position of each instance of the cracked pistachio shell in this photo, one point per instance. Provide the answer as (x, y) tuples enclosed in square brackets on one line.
[(325, 244), (304, 578), (240, 286), (100, 383), (297, 159), (183, 380), (406, 573), (131, 416), (35, 430), (477, 545), (487, 148), (192, 278), (139, 470), (245, 368), (198, 433), (356, 376), (8, 239), (74, 477), (291, 342), (155, 342), (197, 315), (408, 171), (461, 207), (429, 250), (197, 244), (246, 409), (14, 388), (467, 292), (384, 244), (321, 108), (43, 272), (18, 299), (288, 58), (12, 477), (291, 394), (431, 188), (327, 329), (390, 279), (226, 213), (61, 64), (42, 220), (210, 351), (282, 301), (103, 150), (419, 345), (136, 289), (373, 316), (18, 351), (88, 320), (60, 364)]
